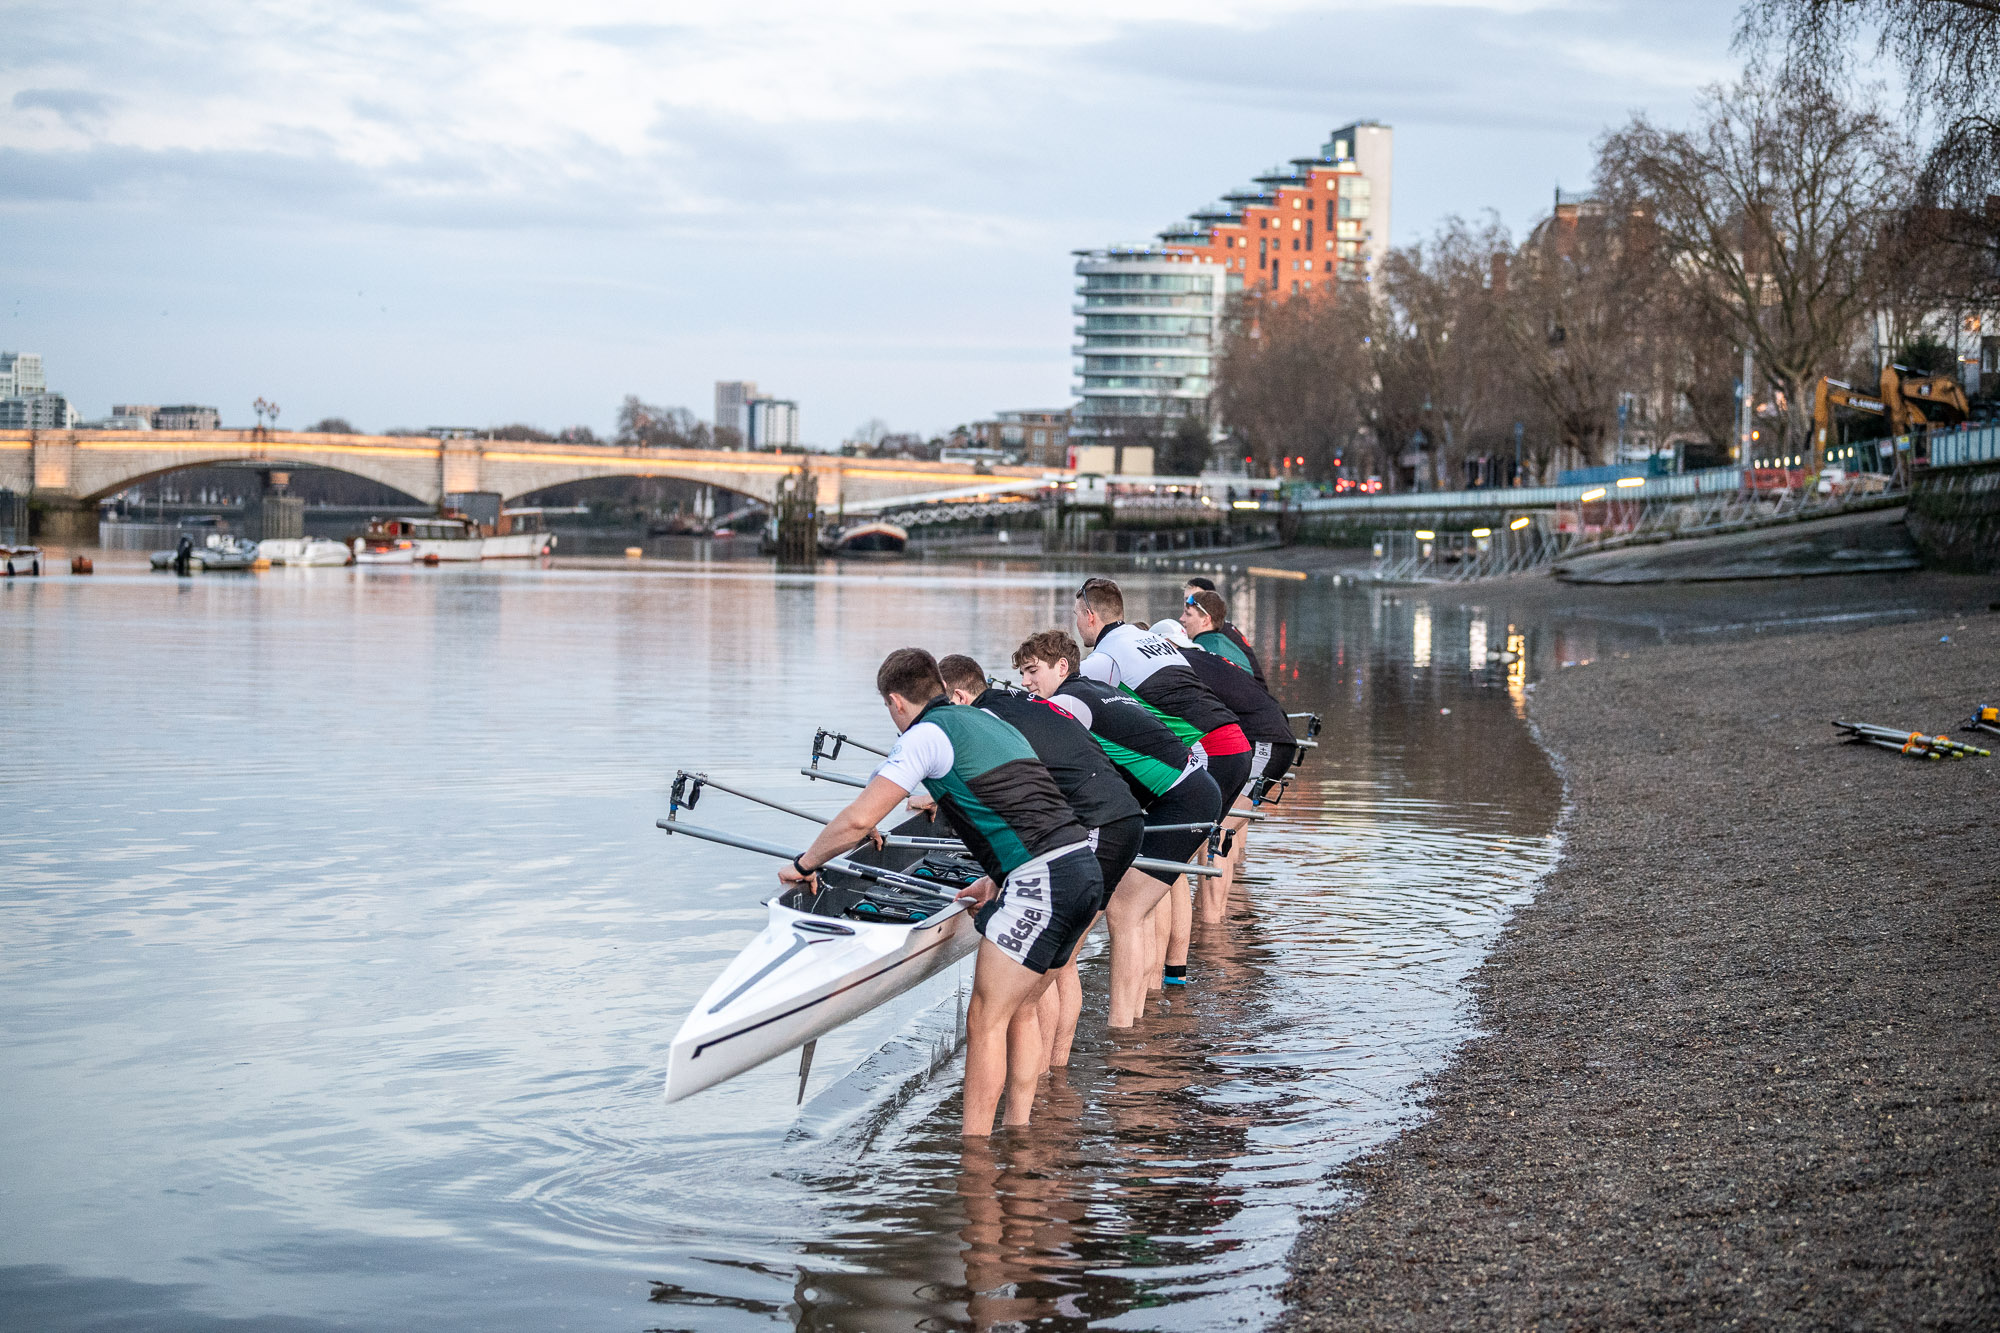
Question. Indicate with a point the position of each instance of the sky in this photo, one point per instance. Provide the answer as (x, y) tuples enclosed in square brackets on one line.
[(409, 213)]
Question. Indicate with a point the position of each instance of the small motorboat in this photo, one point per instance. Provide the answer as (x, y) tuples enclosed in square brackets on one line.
[(304, 551), (825, 958), (382, 548), (216, 551), (872, 537)]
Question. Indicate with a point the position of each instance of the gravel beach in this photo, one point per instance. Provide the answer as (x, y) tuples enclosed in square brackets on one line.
[(1739, 1062)]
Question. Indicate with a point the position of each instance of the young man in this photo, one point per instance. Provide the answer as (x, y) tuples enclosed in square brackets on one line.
[(1089, 781), (1228, 631), (1041, 885), (1272, 744), (1164, 775), (1139, 662)]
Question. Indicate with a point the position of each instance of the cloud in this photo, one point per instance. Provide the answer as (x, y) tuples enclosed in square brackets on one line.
[(81, 111)]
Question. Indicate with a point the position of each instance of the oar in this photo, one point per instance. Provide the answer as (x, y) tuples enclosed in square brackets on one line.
[(840, 778), (872, 874), (686, 800)]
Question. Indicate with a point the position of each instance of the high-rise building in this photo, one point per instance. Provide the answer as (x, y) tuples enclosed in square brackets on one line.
[(1309, 226), (774, 423), (732, 407), (21, 374), (1146, 341)]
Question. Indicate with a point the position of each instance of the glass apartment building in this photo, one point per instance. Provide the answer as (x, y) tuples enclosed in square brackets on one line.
[(1148, 321)]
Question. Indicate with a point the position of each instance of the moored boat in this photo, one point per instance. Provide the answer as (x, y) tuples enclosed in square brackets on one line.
[(871, 537), (217, 551), (522, 534), (304, 551)]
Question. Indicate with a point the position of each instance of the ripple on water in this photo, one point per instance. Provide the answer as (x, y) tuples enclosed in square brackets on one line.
[(356, 1006)]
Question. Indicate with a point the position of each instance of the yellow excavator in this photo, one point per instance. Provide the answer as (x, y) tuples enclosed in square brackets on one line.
[(1907, 400)]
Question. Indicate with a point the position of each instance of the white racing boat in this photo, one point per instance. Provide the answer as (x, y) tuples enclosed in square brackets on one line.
[(804, 975), (880, 923)]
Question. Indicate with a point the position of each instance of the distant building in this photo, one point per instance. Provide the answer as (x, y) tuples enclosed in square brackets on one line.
[(1150, 317), (732, 406), (37, 411), (1037, 436), (187, 416), (120, 420), (21, 375), (1309, 226), (774, 423)]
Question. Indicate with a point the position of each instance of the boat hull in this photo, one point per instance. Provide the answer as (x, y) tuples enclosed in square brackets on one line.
[(803, 976), (403, 553), (516, 546), (304, 551), (447, 550)]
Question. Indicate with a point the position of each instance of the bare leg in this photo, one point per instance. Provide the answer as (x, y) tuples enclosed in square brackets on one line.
[(1048, 1017), (1130, 915), (1183, 924), (1163, 930), (1215, 892), (1069, 990), (1000, 986), (1027, 1047)]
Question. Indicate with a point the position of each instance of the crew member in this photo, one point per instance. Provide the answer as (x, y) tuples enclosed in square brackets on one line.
[(1220, 623), (1165, 776), (1272, 746), (1041, 886), (1089, 781)]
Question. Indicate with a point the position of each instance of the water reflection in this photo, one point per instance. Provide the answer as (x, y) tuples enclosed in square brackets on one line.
[(353, 957)]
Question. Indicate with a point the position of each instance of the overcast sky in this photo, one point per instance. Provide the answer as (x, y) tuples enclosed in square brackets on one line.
[(475, 213)]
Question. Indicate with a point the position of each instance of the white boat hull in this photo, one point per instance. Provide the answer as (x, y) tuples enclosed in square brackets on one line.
[(303, 551), (516, 546), (401, 554), (448, 549), (803, 976)]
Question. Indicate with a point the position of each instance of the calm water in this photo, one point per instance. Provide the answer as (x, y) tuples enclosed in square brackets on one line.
[(339, 957)]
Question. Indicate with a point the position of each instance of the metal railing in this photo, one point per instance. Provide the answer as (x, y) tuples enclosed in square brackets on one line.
[(1706, 482), (1957, 448)]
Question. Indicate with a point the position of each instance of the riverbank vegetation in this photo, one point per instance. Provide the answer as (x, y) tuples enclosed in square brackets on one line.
[(1798, 215)]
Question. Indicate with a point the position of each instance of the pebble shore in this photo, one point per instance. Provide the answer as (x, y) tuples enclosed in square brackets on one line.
[(1738, 1064)]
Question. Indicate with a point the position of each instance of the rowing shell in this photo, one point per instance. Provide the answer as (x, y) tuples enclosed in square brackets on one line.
[(803, 976)]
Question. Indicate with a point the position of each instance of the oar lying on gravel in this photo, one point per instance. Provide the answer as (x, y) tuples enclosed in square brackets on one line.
[(688, 787), (1984, 718), (1911, 742)]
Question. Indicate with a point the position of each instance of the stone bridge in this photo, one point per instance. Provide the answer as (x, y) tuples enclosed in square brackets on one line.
[(64, 474)]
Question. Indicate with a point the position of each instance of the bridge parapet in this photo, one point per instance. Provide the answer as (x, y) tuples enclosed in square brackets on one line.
[(73, 470)]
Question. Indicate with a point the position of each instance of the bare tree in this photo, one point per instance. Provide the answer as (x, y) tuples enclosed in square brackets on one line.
[(1293, 376), (1440, 342), (1946, 52), (331, 426), (1774, 209), (667, 427)]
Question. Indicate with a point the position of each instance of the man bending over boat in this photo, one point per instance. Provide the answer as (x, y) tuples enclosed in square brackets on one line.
[(1089, 781), (1164, 776), (1041, 887)]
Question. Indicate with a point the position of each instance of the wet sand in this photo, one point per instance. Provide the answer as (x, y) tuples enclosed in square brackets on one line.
[(1740, 1059)]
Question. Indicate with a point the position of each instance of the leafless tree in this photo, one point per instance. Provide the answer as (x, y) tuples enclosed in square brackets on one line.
[(667, 427), (1293, 377), (331, 426), (1774, 209)]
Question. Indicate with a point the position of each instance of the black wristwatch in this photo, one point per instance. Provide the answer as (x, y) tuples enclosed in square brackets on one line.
[(799, 866)]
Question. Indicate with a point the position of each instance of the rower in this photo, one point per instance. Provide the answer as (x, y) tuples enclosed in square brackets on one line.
[(1136, 660), (1272, 746), (1165, 777), (1219, 623), (1089, 781), (1041, 885)]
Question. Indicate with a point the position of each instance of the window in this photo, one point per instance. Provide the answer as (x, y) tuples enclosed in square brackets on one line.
[(1295, 224), (1298, 203), (1309, 265)]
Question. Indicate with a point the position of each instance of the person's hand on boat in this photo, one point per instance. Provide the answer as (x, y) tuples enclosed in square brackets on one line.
[(980, 892), (790, 874), (920, 803)]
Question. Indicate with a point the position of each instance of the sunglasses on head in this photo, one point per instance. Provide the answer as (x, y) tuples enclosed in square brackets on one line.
[(1191, 601)]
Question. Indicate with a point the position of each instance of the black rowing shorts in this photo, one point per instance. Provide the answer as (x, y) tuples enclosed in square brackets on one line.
[(1192, 800), (1044, 908), (1116, 845), (1232, 774)]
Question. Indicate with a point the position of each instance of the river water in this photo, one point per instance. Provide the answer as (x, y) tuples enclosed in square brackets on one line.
[(339, 958)]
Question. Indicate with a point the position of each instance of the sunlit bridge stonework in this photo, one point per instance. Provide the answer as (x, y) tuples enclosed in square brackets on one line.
[(66, 474)]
